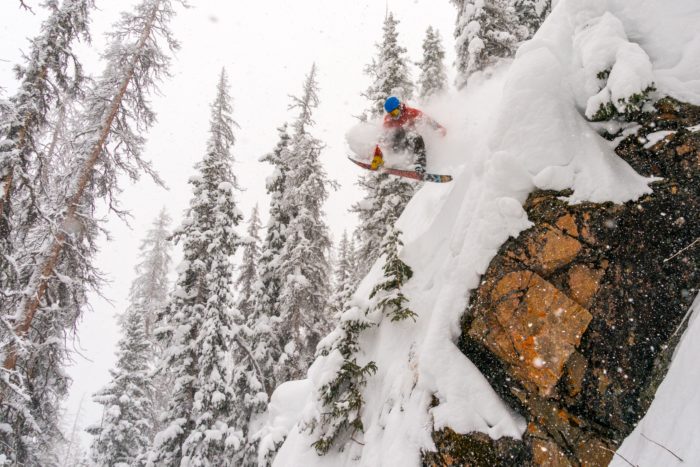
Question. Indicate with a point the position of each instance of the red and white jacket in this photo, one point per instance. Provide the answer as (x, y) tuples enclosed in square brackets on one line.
[(409, 118)]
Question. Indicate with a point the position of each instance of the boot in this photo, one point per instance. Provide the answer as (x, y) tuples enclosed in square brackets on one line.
[(377, 160)]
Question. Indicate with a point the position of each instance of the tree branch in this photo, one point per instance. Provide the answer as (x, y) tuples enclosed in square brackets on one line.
[(619, 455), (681, 251), (25, 6), (661, 446)]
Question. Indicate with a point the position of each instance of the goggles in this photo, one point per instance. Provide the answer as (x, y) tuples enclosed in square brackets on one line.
[(395, 113)]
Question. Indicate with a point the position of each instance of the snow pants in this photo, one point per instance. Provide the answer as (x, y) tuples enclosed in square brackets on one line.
[(403, 140)]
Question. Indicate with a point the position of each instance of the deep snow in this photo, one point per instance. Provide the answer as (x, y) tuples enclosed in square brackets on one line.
[(519, 127)]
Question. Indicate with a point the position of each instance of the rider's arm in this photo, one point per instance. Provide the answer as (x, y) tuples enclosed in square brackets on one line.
[(436, 126), (433, 124)]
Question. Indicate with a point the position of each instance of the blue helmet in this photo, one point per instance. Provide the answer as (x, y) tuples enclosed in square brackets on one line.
[(391, 103)]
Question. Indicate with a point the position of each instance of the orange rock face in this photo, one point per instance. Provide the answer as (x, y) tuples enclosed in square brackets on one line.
[(534, 328), (552, 249), (567, 224), (546, 453), (584, 283)]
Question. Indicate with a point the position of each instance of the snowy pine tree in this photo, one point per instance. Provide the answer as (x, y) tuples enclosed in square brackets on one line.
[(532, 13), (29, 406), (55, 261), (248, 271), (386, 199), (341, 399), (115, 108), (251, 380), (385, 195), (486, 31), (44, 79), (389, 71), (433, 78), (304, 258), (148, 297), (123, 436), (265, 316), (256, 371), (344, 274), (390, 298), (197, 328), (149, 292)]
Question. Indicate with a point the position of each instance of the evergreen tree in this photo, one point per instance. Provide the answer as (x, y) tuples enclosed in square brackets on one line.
[(55, 260), (386, 199), (532, 13), (486, 31), (252, 399), (43, 80), (389, 71), (249, 377), (305, 269), (344, 274), (149, 292), (256, 374), (148, 297), (29, 408), (123, 436), (433, 78), (198, 326), (265, 315), (385, 196), (248, 276), (341, 399), (390, 299)]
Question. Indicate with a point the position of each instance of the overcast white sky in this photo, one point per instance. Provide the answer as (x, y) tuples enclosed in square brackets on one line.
[(267, 47)]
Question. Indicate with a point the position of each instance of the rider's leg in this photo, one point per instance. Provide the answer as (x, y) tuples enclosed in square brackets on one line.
[(418, 147)]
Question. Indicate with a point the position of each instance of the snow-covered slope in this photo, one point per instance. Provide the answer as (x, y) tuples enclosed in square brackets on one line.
[(520, 128)]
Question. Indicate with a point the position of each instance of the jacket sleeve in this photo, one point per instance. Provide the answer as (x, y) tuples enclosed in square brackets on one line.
[(435, 125)]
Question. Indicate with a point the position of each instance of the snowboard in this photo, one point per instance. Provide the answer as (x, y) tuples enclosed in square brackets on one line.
[(412, 174)]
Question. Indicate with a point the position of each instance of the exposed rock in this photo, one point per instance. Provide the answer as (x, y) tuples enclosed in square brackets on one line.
[(583, 283), (474, 450), (545, 249), (534, 328), (575, 320)]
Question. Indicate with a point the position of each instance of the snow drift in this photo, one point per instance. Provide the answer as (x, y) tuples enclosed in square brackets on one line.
[(522, 126)]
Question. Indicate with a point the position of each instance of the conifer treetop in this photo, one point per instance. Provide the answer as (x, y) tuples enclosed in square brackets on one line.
[(122, 437), (433, 78), (198, 328), (389, 70)]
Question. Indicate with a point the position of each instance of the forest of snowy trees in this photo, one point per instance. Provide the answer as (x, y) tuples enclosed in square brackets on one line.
[(254, 302)]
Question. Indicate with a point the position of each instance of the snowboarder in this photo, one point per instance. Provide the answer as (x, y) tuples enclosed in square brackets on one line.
[(401, 133)]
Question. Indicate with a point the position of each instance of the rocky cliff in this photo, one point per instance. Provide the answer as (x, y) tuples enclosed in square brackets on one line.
[(575, 320)]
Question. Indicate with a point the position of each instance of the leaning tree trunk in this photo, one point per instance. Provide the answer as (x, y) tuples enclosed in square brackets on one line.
[(44, 271)]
